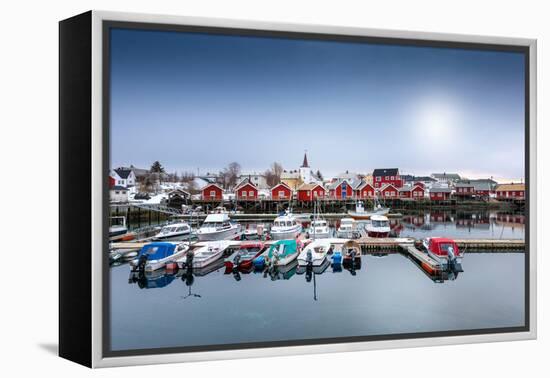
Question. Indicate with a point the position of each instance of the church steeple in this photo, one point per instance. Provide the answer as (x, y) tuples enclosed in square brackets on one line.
[(305, 163)]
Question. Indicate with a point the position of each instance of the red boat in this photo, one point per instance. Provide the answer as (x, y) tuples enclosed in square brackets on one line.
[(242, 258), (445, 251), (379, 227)]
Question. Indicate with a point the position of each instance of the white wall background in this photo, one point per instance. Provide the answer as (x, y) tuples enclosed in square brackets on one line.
[(28, 148)]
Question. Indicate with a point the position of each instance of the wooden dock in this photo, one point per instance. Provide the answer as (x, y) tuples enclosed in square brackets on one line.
[(497, 245), (427, 263)]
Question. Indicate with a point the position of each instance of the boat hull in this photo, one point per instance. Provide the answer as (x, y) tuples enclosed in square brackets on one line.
[(286, 260), (378, 234), (231, 233), (159, 264), (205, 262), (282, 235), (314, 262), (175, 237), (117, 232), (319, 235)]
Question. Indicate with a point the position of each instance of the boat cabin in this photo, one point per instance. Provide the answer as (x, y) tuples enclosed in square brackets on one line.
[(158, 250), (284, 222), (218, 221), (440, 246), (379, 221)]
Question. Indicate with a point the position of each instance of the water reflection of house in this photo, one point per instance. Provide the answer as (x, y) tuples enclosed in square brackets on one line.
[(414, 220), (478, 220), (440, 217), (510, 220)]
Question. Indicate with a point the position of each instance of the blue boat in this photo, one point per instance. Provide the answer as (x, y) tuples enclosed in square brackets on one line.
[(156, 255)]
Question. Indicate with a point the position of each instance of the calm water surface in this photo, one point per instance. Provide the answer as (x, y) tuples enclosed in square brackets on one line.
[(387, 295)]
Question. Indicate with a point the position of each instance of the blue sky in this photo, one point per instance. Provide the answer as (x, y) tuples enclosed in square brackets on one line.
[(198, 101)]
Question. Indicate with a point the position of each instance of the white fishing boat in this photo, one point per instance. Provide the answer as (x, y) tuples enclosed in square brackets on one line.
[(379, 226), (315, 253), (361, 213), (319, 229), (285, 227), (347, 228), (207, 254), (117, 226), (174, 231), (218, 227), (156, 255)]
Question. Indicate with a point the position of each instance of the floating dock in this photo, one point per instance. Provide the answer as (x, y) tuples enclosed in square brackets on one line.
[(486, 245)]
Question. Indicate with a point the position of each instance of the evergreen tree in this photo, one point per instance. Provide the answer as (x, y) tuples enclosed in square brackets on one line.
[(157, 167)]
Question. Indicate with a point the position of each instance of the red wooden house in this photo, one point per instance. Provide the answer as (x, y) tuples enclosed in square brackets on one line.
[(415, 192), (341, 189), (483, 188), (112, 182), (310, 192), (281, 192), (389, 191), (246, 191), (383, 176), (440, 193), (464, 189), (365, 190), (510, 192), (212, 192)]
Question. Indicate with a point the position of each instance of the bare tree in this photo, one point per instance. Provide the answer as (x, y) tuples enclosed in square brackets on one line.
[(273, 174), (228, 177)]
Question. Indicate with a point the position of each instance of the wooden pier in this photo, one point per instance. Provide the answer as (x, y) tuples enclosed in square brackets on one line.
[(367, 243)]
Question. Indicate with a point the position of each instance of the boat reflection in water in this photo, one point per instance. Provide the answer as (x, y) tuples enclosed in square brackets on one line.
[(439, 276), (151, 280), (311, 272), (281, 272)]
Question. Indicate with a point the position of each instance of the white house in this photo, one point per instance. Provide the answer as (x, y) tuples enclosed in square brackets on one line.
[(257, 179), (123, 177), (118, 194)]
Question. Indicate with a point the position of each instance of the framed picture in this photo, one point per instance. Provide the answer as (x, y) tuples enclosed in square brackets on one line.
[(232, 189)]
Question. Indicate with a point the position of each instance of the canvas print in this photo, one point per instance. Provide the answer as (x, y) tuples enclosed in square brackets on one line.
[(269, 190)]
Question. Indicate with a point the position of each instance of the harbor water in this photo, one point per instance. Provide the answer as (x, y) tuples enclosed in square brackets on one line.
[(388, 294)]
